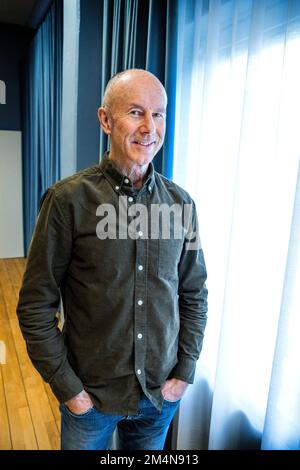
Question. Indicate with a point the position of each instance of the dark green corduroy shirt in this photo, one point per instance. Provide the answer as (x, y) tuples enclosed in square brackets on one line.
[(135, 308)]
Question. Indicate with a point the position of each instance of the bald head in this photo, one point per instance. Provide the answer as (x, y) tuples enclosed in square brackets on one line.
[(127, 80)]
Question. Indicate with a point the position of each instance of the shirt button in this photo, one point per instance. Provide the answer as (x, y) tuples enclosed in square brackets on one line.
[(149, 188), (139, 371), (140, 233), (140, 336), (140, 302), (117, 188), (126, 180), (140, 268), (130, 199)]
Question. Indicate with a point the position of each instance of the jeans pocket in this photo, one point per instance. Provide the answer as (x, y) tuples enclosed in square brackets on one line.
[(171, 402), (77, 415)]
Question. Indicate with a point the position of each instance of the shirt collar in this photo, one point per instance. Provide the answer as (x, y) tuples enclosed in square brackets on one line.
[(121, 182)]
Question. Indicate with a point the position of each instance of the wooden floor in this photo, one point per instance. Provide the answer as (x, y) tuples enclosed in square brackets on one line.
[(29, 415)]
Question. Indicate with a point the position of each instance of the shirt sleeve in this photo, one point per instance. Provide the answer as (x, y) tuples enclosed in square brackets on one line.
[(192, 303), (48, 261)]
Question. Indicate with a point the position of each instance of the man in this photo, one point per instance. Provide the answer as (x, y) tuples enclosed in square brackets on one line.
[(134, 304)]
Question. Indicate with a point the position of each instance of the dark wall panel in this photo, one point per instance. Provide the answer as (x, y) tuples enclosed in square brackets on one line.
[(13, 43)]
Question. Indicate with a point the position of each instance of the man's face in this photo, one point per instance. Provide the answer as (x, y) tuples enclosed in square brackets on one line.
[(136, 120)]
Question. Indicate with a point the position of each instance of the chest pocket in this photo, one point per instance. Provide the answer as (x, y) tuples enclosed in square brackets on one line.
[(169, 252)]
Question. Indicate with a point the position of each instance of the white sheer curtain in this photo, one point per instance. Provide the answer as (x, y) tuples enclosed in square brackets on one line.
[(237, 152)]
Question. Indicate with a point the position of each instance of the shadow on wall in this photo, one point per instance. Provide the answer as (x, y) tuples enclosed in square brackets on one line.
[(239, 434)]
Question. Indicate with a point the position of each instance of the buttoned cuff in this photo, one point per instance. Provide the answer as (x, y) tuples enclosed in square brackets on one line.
[(66, 385), (184, 370)]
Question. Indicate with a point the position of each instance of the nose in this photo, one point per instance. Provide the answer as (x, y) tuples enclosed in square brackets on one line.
[(148, 124)]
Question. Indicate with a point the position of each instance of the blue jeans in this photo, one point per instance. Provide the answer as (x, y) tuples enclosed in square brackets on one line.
[(93, 430)]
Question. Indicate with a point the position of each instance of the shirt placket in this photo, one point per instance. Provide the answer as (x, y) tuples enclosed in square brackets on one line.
[(140, 305)]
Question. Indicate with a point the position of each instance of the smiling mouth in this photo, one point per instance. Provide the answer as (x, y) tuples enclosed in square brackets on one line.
[(144, 144)]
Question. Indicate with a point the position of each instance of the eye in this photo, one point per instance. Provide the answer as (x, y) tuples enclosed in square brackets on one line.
[(136, 112), (159, 115)]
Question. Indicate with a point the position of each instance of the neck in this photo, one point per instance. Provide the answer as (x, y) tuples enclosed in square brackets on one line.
[(136, 173)]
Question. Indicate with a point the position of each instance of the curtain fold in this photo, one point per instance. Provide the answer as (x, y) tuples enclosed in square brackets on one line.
[(238, 102), (142, 34), (282, 425), (42, 76)]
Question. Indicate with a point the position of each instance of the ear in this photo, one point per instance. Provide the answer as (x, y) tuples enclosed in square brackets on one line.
[(104, 120)]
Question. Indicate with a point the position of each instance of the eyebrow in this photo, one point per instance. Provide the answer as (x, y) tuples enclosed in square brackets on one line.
[(135, 105)]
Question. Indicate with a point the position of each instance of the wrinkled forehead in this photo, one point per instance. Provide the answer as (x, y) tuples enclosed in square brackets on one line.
[(143, 91)]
